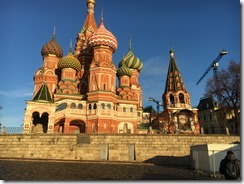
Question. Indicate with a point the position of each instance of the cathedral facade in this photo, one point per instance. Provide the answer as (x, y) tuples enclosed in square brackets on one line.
[(77, 93)]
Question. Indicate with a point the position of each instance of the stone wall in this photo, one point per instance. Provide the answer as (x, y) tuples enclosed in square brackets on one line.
[(158, 149)]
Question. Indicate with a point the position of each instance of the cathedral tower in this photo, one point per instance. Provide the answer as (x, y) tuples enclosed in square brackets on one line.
[(175, 94), (178, 115), (83, 52)]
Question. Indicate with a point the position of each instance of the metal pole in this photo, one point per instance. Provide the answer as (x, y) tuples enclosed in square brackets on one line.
[(213, 163)]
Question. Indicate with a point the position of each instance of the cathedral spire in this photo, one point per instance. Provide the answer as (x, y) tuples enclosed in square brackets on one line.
[(174, 81), (90, 5), (54, 31), (70, 46), (130, 44)]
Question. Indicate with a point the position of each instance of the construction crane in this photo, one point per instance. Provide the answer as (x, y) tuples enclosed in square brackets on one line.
[(157, 102), (213, 65)]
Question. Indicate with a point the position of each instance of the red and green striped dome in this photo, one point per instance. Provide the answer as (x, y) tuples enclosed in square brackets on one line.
[(124, 70), (69, 61), (131, 61), (52, 47)]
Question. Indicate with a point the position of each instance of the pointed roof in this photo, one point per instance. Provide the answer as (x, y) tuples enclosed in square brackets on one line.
[(90, 23), (174, 80), (43, 94)]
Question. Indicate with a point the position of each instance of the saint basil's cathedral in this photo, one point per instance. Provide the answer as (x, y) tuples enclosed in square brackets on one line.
[(77, 93)]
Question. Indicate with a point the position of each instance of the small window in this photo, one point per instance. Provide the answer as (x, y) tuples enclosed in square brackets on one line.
[(73, 105), (131, 109), (95, 106), (109, 106), (181, 98), (172, 100), (90, 106), (103, 106), (124, 109), (80, 106)]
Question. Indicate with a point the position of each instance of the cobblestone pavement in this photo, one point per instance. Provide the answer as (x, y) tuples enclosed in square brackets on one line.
[(51, 170)]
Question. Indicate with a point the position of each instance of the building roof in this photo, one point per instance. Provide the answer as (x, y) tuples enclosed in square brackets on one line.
[(207, 103), (52, 47), (174, 80), (150, 110), (131, 61), (102, 36), (124, 70), (69, 61), (43, 94)]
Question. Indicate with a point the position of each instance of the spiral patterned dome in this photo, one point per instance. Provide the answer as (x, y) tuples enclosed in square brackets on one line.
[(52, 47), (69, 61), (131, 61), (124, 70), (103, 37)]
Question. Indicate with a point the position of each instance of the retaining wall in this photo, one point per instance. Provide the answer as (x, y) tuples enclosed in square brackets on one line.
[(158, 149)]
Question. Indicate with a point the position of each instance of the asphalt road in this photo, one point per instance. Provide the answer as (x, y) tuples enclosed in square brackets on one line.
[(51, 170)]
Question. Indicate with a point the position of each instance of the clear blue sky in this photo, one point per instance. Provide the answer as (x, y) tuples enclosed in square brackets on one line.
[(196, 30)]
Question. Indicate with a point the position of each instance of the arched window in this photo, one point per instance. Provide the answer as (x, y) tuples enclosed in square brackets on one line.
[(103, 106), (90, 106), (181, 98), (61, 107), (109, 106), (124, 109), (172, 99), (131, 109), (80, 106), (73, 106), (95, 106)]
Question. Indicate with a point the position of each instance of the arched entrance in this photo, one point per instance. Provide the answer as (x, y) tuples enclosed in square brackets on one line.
[(74, 126), (77, 126), (40, 122)]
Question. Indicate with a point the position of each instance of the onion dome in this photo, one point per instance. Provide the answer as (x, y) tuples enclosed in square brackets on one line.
[(90, 1), (69, 61), (124, 70), (103, 37), (131, 61), (52, 47)]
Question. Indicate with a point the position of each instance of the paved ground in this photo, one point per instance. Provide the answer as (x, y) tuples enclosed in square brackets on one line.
[(50, 170)]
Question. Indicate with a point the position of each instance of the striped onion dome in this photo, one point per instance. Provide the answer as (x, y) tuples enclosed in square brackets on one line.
[(52, 47), (124, 70), (103, 37), (131, 61), (69, 61)]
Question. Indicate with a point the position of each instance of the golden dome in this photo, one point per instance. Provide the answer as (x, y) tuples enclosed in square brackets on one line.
[(91, 1)]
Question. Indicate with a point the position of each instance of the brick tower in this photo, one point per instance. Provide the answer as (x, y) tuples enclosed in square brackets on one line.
[(178, 116)]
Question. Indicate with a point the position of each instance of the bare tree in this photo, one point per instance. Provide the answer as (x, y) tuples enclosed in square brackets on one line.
[(226, 90)]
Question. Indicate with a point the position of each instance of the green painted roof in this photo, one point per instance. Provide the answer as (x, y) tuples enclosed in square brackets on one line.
[(43, 94)]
